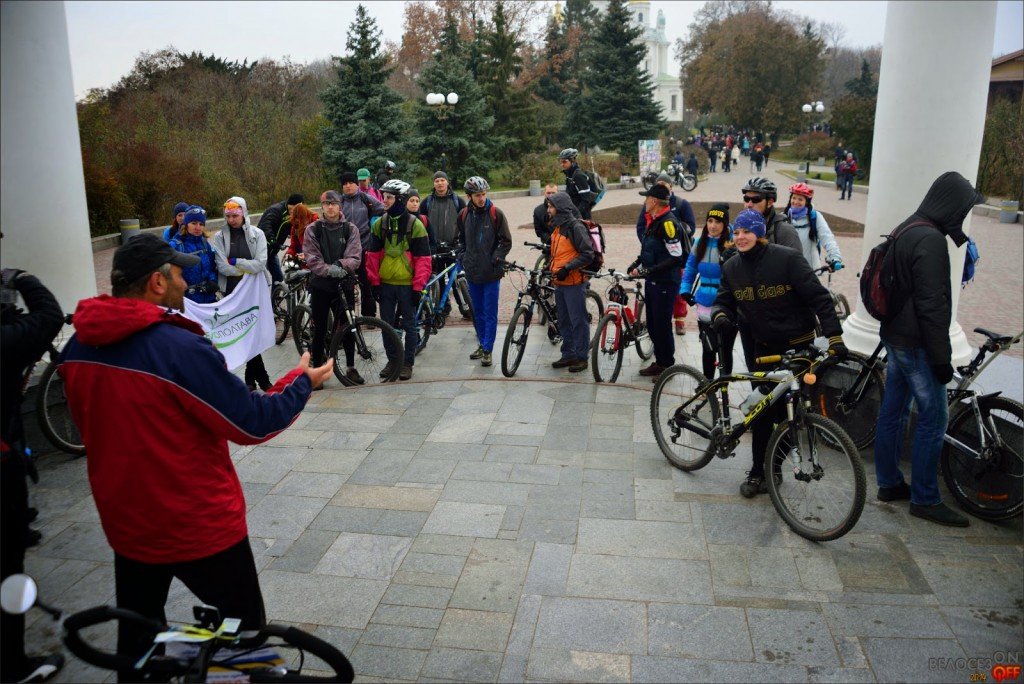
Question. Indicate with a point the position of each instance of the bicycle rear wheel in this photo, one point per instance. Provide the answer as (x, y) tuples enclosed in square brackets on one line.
[(369, 337), (424, 323), (515, 341), (644, 343), (606, 350), (595, 308), (279, 305), (54, 415), (842, 306), (853, 405), (827, 503), (683, 418), (989, 483)]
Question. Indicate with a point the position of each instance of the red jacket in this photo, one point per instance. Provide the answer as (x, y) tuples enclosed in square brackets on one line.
[(155, 406)]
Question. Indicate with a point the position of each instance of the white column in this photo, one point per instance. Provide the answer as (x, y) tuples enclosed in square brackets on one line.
[(43, 213), (930, 118)]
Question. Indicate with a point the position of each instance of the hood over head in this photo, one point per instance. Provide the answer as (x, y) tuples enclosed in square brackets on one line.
[(104, 320), (947, 204), (565, 210), (245, 209)]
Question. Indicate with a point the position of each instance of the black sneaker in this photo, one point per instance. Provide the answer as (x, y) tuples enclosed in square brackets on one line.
[(32, 538), (562, 363), (939, 513), (42, 668), (477, 355), (405, 373), (388, 369), (753, 485), (900, 492), (578, 366), (353, 376)]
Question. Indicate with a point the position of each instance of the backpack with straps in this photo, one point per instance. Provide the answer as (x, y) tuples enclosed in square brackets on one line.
[(971, 258), (878, 277), (597, 238), (596, 186)]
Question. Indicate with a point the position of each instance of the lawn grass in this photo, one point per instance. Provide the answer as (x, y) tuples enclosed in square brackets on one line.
[(820, 175)]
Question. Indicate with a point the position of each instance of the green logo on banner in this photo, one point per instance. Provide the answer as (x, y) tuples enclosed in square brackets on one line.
[(231, 330)]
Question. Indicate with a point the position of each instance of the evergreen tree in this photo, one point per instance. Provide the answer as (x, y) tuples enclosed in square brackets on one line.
[(464, 132), (864, 85), (551, 84), (581, 19), (365, 122), (514, 111), (617, 103)]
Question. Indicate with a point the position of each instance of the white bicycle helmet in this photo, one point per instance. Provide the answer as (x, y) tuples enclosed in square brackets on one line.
[(399, 188), (476, 184)]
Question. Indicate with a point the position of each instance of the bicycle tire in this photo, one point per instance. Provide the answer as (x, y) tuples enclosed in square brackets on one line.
[(842, 305), (689, 182), (675, 386), (514, 346), (601, 353), (595, 308), (465, 301), (840, 451), (644, 344), (544, 281), (649, 179), (302, 328), (989, 489), (53, 413), (424, 325), (278, 303), (370, 356), (858, 416)]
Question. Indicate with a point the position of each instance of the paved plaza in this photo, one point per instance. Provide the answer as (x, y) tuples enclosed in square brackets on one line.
[(467, 527)]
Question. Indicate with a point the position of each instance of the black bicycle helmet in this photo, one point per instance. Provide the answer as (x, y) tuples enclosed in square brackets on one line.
[(399, 188), (476, 184), (390, 166), (569, 153), (762, 185)]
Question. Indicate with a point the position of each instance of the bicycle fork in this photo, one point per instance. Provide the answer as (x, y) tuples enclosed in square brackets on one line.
[(794, 457)]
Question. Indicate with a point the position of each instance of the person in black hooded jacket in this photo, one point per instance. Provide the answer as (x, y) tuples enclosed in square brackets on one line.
[(918, 349)]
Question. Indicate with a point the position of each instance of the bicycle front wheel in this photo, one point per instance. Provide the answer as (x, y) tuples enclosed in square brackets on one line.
[(850, 393), (842, 305), (515, 341), (987, 483), (824, 500), (369, 338), (606, 350), (424, 324), (465, 302), (279, 305), (683, 418), (54, 415)]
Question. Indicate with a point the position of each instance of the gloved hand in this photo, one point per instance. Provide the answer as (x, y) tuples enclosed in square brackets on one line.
[(943, 372), (837, 348), (836, 265), (642, 272), (336, 271), (721, 323), (688, 298), (562, 273)]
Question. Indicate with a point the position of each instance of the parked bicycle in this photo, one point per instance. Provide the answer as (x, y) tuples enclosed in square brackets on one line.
[(286, 296), (621, 326), (52, 410), (531, 296), (434, 307), (814, 474), (595, 305), (365, 335), (839, 301), (442, 259), (212, 649)]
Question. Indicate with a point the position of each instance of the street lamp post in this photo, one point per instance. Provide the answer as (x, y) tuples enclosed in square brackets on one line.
[(810, 109), (443, 104)]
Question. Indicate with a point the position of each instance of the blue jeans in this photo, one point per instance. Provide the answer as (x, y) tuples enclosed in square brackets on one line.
[(909, 377), (395, 300), (571, 301), (485, 312), (846, 186)]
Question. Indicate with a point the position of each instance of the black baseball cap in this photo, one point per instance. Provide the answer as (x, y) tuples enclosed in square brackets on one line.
[(142, 255), (657, 192)]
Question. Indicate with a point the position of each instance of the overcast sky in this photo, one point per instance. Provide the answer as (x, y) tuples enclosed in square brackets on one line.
[(106, 37)]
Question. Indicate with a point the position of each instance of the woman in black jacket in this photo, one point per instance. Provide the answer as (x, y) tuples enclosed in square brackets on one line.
[(776, 292)]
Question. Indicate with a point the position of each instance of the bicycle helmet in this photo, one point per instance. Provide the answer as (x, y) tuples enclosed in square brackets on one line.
[(802, 189), (762, 185), (569, 153), (475, 184), (399, 188), (390, 166)]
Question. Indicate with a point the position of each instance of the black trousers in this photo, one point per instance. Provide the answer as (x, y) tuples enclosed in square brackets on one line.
[(256, 373), (661, 298), (716, 345), (320, 302), (13, 527), (367, 304), (761, 430), (227, 580)]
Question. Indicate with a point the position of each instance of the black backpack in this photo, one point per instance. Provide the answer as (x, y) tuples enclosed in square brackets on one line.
[(878, 278), (596, 186)]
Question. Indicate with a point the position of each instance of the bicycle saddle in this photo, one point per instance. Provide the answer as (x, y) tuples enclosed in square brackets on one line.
[(995, 337)]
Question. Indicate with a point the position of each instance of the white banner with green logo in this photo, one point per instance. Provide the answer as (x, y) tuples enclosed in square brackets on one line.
[(242, 324)]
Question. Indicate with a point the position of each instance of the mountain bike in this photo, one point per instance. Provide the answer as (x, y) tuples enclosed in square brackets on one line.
[(620, 327), (367, 334), (535, 294), (813, 470), (595, 305), (839, 301), (285, 296), (212, 649), (433, 308), (52, 409), (444, 257)]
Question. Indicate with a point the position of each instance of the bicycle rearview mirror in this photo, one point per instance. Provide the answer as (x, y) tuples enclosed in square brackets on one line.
[(18, 593)]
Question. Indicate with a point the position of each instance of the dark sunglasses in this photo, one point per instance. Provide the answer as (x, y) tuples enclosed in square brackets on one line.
[(753, 199)]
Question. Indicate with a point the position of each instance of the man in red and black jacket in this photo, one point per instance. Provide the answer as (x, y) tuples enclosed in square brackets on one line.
[(156, 406)]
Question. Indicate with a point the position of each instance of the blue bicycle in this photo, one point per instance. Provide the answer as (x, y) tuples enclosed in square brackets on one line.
[(433, 309)]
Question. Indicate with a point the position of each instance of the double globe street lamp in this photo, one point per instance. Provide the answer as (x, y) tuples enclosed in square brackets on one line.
[(443, 103), (810, 109)]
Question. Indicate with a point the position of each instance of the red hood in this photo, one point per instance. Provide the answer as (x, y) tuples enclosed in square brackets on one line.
[(105, 320)]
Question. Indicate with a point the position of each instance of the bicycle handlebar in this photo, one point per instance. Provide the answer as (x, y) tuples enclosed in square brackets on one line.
[(815, 354), (335, 659), (536, 245)]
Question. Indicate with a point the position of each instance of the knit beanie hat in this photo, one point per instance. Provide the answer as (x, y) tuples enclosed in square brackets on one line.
[(194, 213), (440, 174), (719, 210), (349, 177), (413, 192), (750, 220), (180, 207), (295, 198)]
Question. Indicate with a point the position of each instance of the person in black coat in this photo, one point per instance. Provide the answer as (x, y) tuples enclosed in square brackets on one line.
[(777, 293), (541, 218), (24, 338), (271, 222), (918, 348)]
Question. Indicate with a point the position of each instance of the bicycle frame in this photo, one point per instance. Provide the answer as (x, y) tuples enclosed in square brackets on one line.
[(626, 317), (426, 302)]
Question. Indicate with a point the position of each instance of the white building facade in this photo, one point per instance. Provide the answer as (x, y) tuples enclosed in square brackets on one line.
[(668, 90)]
